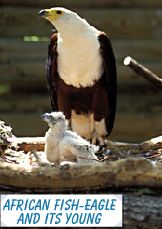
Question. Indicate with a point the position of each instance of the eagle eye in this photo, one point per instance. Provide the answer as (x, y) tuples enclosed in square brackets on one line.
[(59, 12)]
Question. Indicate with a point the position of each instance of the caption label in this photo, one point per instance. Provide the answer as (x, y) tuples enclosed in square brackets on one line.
[(61, 210)]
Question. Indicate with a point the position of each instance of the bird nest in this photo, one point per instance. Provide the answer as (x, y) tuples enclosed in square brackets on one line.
[(121, 164)]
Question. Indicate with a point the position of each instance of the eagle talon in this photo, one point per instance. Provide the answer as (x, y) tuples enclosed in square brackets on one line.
[(97, 139)]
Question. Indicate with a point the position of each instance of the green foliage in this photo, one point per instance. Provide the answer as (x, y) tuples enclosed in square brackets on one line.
[(4, 89), (35, 39)]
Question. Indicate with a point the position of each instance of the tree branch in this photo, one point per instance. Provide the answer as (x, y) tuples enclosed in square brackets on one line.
[(143, 71)]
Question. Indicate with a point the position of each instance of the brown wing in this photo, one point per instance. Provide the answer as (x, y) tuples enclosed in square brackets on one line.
[(110, 77), (52, 70)]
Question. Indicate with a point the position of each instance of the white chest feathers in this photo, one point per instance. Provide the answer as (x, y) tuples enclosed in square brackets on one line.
[(79, 59)]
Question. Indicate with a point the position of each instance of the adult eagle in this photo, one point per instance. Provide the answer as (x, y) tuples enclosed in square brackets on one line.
[(81, 74)]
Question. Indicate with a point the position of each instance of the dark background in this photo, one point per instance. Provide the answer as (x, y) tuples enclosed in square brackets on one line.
[(135, 27)]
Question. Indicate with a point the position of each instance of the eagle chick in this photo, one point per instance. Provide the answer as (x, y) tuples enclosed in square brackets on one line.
[(62, 144)]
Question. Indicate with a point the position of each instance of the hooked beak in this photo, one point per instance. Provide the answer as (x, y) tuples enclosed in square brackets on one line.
[(43, 13), (44, 117)]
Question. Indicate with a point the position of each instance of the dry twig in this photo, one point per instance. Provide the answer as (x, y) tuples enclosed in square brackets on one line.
[(143, 71)]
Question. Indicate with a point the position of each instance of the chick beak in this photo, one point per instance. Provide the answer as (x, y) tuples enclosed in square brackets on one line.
[(44, 117), (43, 13)]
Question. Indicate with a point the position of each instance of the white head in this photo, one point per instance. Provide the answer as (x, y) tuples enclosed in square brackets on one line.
[(64, 19), (55, 120)]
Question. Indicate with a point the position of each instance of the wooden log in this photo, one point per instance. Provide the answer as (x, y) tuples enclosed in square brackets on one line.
[(37, 144), (152, 144), (83, 4), (127, 75), (126, 172), (30, 143), (143, 71), (142, 206), (121, 23)]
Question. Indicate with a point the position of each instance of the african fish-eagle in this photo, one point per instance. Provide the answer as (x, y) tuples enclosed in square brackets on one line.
[(81, 74)]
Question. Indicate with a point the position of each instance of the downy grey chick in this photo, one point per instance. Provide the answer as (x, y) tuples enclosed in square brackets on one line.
[(62, 144)]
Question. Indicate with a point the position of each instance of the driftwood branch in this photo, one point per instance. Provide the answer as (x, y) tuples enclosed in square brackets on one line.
[(37, 144), (125, 172), (30, 143), (130, 168), (143, 71)]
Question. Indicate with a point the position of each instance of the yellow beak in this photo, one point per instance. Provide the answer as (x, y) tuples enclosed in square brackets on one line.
[(49, 14)]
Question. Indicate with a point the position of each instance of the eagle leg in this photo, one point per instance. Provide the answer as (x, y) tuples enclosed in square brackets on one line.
[(96, 139), (98, 133), (86, 126)]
